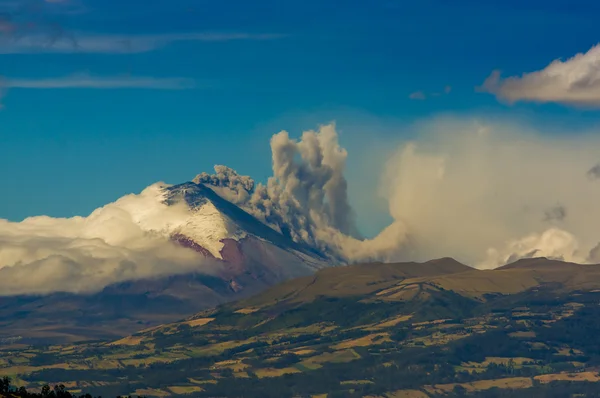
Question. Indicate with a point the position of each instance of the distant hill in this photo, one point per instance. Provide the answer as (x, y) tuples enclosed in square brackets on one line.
[(353, 280), (431, 330)]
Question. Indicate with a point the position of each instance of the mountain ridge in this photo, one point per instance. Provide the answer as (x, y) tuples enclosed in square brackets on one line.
[(238, 256)]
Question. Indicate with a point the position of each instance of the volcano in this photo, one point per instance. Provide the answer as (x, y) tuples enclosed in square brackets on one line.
[(245, 256)]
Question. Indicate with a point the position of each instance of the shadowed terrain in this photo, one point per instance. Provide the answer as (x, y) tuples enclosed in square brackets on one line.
[(434, 329)]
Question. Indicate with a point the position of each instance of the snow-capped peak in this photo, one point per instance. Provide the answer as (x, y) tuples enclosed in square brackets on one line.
[(211, 219), (208, 227)]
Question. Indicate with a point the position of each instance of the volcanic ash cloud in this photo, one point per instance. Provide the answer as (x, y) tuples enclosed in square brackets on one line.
[(484, 193)]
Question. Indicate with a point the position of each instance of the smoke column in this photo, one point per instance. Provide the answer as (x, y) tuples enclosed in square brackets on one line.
[(484, 193)]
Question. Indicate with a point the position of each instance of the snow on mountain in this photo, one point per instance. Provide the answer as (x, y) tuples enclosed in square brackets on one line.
[(145, 259), (212, 221), (208, 227)]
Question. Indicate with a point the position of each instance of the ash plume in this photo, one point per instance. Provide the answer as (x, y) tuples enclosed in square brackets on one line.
[(307, 192), (481, 192), (557, 213)]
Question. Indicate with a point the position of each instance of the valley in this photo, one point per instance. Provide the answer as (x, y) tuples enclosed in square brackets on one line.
[(434, 329)]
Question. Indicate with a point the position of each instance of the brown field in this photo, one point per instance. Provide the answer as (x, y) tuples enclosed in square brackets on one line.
[(152, 392), (440, 338), (436, 322), (246, 311), (366, 341), (13, 347), (147, 361), (582, 376), (202, 381), (512, 382), (322, 328), (406, 394), (350, 382), (235, 365), (184, 389), (129, 340), (505, 361), (334, 357), (271, 372), (303, 351), (24, 369), (523, 335), (216, 349), (199, 322), (390, 323), (566, 351)]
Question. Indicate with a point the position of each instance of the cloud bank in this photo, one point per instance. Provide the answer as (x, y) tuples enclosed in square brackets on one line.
[(56, 40), (489, 193), (575, 81), (31, 26), (485, 193), (125, 240), (100, 82), (86, 81)]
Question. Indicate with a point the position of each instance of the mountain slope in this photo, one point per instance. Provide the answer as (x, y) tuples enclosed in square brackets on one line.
[(353, 280), (238, 256), (520, 276), (214, 219), (371, 330)]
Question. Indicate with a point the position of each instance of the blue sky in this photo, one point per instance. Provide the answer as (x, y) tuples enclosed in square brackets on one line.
[(189, 84)]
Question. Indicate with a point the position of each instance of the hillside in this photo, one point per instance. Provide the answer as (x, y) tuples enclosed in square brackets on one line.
[(435, 329)]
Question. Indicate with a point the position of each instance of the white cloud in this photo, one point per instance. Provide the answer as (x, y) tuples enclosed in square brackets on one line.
[(482, 192), (575, 81), (98, 82), (63, 42), (421, 95), (125, 240), (417, 95), (485, 193)]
